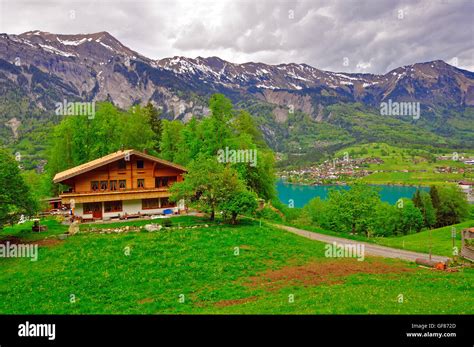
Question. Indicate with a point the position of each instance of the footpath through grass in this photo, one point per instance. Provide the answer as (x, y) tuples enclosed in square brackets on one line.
[(219, 269), (441, 240)]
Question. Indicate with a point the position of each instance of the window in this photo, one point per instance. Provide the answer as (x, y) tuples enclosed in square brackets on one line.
[(87, 208), (140, 183), (113, 185), (92, 207), (103, 185), (122, 165), (148, 204), (140, 164), (94, 186), (113, 206), (122, 184), (166, 203), (164, 181)]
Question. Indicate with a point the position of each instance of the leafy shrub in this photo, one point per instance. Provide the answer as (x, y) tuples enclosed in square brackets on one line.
[(360, 210), (290, 213), (268, 214)]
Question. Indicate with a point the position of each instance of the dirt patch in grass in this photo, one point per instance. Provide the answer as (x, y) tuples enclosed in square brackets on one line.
[(226, 303), (14, 240), (146, 301), (47, 242), (324, 272)]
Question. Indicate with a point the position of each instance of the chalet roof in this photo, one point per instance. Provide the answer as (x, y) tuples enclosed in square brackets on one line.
[(109, 158)]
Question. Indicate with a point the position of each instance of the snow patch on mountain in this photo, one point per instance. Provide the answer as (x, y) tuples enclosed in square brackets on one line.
[(71, 43), (54, 50)]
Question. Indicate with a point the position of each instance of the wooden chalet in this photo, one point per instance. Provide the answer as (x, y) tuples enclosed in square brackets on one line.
[(120, 185)]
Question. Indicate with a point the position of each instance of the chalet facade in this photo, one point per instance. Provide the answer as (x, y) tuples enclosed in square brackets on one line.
[(120, 185)]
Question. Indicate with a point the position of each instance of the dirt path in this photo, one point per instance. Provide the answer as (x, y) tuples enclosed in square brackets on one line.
[(370, 248)]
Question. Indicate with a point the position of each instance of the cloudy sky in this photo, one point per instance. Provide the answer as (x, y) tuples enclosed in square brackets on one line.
[(339, 35)]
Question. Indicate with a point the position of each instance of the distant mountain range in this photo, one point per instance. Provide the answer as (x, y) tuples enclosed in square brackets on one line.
[(39, 69)]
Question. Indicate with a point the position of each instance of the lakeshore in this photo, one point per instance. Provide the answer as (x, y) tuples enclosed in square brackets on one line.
[(299, 195)]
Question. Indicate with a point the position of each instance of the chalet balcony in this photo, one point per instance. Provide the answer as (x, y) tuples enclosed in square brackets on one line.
[(106, 191), (115, 195)]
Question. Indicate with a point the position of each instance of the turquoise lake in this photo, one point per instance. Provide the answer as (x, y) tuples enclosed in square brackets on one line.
[(301, 194)]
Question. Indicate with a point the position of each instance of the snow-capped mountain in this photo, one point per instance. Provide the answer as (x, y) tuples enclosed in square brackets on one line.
[(41, 69)]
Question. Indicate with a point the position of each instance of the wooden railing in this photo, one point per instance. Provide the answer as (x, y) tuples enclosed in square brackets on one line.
[(107, 191)]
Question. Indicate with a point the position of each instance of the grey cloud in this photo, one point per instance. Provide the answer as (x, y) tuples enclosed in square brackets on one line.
[(369, 33)]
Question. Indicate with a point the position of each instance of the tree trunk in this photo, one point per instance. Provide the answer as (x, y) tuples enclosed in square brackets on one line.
[(213, 213), (234, 218)]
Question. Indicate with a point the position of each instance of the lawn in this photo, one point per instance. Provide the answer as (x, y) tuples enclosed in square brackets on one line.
[(219, 269), (23, 231), (178, 221)]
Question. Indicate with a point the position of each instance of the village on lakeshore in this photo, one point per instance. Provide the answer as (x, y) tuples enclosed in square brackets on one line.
[(337, 171), (346, 169)]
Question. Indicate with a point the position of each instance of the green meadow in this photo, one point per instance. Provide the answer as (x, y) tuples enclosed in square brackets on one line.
[(213, 268)]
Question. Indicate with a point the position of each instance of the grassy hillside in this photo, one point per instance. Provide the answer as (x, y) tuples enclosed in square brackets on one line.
[(409, 166), (219, 269), (441, 240), (306, 140)]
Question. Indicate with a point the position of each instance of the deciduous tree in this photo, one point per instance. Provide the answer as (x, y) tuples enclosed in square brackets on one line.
[(15, 197)]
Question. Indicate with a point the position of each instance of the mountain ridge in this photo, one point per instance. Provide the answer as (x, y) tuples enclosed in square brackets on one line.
[(291, 76), (39, 69)]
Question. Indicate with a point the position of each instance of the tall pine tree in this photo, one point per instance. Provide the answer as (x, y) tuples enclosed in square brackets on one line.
[(155, 124)]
